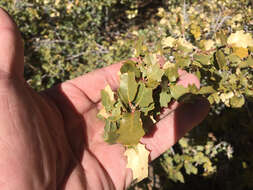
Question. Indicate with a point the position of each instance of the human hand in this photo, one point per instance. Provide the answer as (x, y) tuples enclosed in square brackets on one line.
[(53, 139)]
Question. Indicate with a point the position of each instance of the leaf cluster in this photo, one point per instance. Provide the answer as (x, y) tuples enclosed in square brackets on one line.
[(146, 87)]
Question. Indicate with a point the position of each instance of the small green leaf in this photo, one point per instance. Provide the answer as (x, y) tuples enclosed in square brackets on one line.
[(233, 80), (113, 118), (210, 99), (202, 58), (110, 135), (165, 99), (189, 168), (178, 90), (193, 89), (106, 101), (116, 111), (222, 37), (179, 176), (152, 83), (249, 92), (155, 73), (234, 58), (130, 66), (139, 46), (151, 59), (130, 130), (128, 87), (144, 96), (184, 142), (221, 59), (183, 62), (237, 102), (172, 73), (198, 74), (206, 90), (249, 62), (145, 110)]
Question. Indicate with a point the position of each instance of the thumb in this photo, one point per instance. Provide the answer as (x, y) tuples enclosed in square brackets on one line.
[(11, 48)]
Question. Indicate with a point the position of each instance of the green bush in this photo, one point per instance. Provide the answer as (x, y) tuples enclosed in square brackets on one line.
[(212, 39), (63, 39)]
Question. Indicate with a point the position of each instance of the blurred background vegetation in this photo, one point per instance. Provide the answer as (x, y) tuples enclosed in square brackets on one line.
[(67, 38)]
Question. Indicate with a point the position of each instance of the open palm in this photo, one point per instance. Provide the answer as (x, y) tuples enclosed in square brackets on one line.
[(53, 139)]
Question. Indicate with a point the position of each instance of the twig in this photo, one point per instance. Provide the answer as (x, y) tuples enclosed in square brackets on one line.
[(172, 151), (31, 66), (162, 116), (185, 17), (214, 26), (74, 56), (48, 41), (217, 21), (221, 23)]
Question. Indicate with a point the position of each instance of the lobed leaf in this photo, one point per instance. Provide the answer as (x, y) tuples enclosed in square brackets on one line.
[(137, 160), (237, 102), (172, 73), (130, 66), (130, 129), (178, 90), (165, 99), (202, 58)]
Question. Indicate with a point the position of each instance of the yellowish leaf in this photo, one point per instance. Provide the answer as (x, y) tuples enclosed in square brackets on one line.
[(183, 42), (110, 92), (241, 52), (167, 65), (225, 97), (137, 160), (240, 39), (161, 12), (195, 30), (102, 113), (135, 33), (238, 18), (46, 2), (208, 44), (69, 7), (55, 14), (164, 21), (168, 42), (57, 2)]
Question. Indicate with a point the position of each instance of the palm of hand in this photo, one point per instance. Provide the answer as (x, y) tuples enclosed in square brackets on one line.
[(53, 140), (99, 165), (61, 138)]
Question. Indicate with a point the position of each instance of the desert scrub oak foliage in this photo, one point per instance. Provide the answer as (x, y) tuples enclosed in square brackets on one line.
[(214, 41), (204, 38), (63, 38), (148, 84), (211, 39)]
